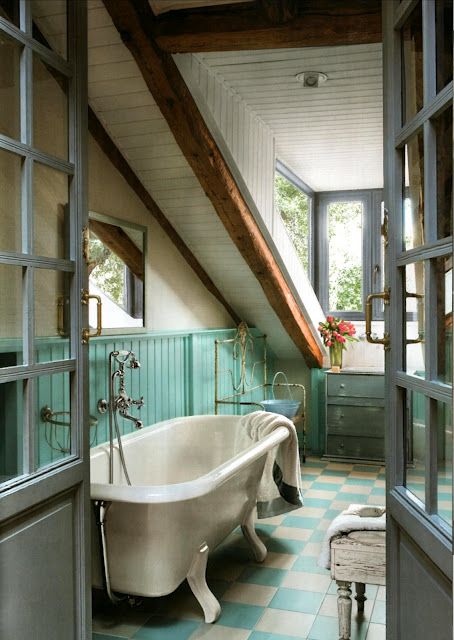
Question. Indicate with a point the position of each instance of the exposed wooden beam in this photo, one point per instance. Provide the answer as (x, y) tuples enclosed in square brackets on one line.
[(115, 156), (197, 144), (268, 24), (121, 244)]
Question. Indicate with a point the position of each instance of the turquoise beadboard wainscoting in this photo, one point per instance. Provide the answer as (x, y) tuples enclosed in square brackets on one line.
[(176, 378)]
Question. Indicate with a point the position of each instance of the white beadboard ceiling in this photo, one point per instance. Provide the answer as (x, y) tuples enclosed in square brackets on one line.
[(331, 136)]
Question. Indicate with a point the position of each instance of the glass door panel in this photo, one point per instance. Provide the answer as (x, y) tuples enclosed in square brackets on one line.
[(51, 212), (412, 65), (10, 53), (413, 192), (53, 415), (416, 445), (10, 201), (444, 462), (443, 275), (50, 24), (11, 317), (50, 109), (11, 430), (443, 21), (52, 317), (9, 10), (443, 134), (415, 321)]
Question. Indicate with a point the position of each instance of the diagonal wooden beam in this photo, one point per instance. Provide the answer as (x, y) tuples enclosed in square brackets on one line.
[(121, 164), (118, 241), (268, 24), (198, 146)]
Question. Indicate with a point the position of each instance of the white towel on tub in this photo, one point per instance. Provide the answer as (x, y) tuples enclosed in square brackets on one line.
[(280, 486), (358, 517)]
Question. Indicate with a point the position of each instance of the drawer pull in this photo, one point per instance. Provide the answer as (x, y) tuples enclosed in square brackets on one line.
[(342, 386)]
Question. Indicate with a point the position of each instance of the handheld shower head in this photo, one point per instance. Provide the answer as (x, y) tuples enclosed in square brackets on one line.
[(133, 363)]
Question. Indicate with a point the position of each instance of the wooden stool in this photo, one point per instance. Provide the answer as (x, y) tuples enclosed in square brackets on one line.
[(356, 557)]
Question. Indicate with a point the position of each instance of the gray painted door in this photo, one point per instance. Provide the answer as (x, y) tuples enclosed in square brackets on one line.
[(44, 461), (418, 197)]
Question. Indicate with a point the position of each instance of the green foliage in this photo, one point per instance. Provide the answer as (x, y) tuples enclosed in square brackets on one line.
[(293, 206), (109, 271), (345, 259)]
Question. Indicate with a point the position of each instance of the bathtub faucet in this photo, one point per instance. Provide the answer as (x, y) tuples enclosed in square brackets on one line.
[(121, 403)]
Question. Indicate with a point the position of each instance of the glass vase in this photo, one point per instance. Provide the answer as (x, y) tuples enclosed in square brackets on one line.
[(335, 354)]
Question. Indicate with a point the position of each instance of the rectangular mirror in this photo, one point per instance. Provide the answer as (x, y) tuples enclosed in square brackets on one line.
[(116, 271)]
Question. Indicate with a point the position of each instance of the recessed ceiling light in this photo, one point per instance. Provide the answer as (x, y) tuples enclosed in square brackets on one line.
[(311, 78)]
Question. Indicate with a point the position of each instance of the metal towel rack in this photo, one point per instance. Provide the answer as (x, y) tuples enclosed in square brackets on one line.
[(51, 435)]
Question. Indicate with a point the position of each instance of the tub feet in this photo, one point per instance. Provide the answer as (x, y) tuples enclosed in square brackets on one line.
[(258, 548), (197, 581)]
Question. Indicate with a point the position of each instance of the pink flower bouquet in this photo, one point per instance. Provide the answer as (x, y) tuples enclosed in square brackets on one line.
[(335, 331)]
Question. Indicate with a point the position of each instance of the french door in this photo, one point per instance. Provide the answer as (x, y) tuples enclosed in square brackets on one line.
[(44, 481), (418, 199)]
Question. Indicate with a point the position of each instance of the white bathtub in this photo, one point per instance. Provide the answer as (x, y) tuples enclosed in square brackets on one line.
[(191, 487)]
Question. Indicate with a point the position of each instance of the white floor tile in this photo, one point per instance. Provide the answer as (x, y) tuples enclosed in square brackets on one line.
[(288, 623)]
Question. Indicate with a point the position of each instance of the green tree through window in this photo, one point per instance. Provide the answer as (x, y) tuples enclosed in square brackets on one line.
[(294, 208)]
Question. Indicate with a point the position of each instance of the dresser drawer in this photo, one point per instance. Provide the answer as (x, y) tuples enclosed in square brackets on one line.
[(356, 386), (355, 421), (360, 447)]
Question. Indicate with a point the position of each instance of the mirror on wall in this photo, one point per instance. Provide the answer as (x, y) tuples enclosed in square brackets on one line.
[(116, 271)]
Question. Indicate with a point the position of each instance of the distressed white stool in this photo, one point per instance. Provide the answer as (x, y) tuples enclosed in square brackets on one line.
[(357, 557)]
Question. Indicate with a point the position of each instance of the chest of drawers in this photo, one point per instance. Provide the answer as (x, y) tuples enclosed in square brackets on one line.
[(355, 428)]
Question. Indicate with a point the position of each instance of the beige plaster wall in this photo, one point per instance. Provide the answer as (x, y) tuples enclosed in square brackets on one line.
[(175, 298)]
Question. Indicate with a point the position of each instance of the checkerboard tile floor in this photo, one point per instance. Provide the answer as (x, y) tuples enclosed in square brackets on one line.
[(286, 597)]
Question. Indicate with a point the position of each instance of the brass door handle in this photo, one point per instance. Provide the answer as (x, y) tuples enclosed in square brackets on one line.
[(86, 297), (384, 295)]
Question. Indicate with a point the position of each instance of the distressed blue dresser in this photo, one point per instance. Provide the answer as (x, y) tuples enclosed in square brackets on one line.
[(355, 426)]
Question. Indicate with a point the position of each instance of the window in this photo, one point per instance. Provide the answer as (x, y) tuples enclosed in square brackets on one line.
[(349, 260), (293, 199)]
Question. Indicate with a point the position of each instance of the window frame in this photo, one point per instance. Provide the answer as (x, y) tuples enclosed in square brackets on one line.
[(371, 247), (282, 169)]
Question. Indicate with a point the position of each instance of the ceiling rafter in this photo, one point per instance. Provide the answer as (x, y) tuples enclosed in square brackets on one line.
[(170, 92), (268, 24)]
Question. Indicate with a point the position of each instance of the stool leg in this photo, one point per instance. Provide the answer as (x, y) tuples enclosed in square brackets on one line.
[(344, 608), (360, 596)]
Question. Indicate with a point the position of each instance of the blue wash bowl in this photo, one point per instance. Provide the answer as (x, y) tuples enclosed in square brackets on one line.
[(287, 408)]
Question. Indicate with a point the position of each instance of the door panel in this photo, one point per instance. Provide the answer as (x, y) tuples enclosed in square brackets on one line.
[(44, 466), (418, 184)]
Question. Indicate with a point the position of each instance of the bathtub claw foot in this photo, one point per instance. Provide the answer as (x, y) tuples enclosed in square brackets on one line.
[(258, 548), (197, 581)]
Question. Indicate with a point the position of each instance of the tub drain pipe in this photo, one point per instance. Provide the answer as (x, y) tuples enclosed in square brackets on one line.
[(102, 508)]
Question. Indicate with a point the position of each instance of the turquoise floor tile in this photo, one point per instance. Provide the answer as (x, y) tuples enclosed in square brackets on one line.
[(301, 522), (445, 481), (364, 482), (445, 496), (160, 628), (377, 491), (309, 564), (317, 536), (264, 635), (315, 463), (309, 477), (297, 600), (316, 502), (240, 616), (284, 545), (263, 575), (379, 612), (357, 498), (326, 486), (366, 467), (332, 472), (324, 628), (266, 529), (101, 636), (330, 514)]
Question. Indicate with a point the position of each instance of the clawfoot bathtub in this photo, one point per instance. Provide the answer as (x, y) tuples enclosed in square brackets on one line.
[(194, 480)]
